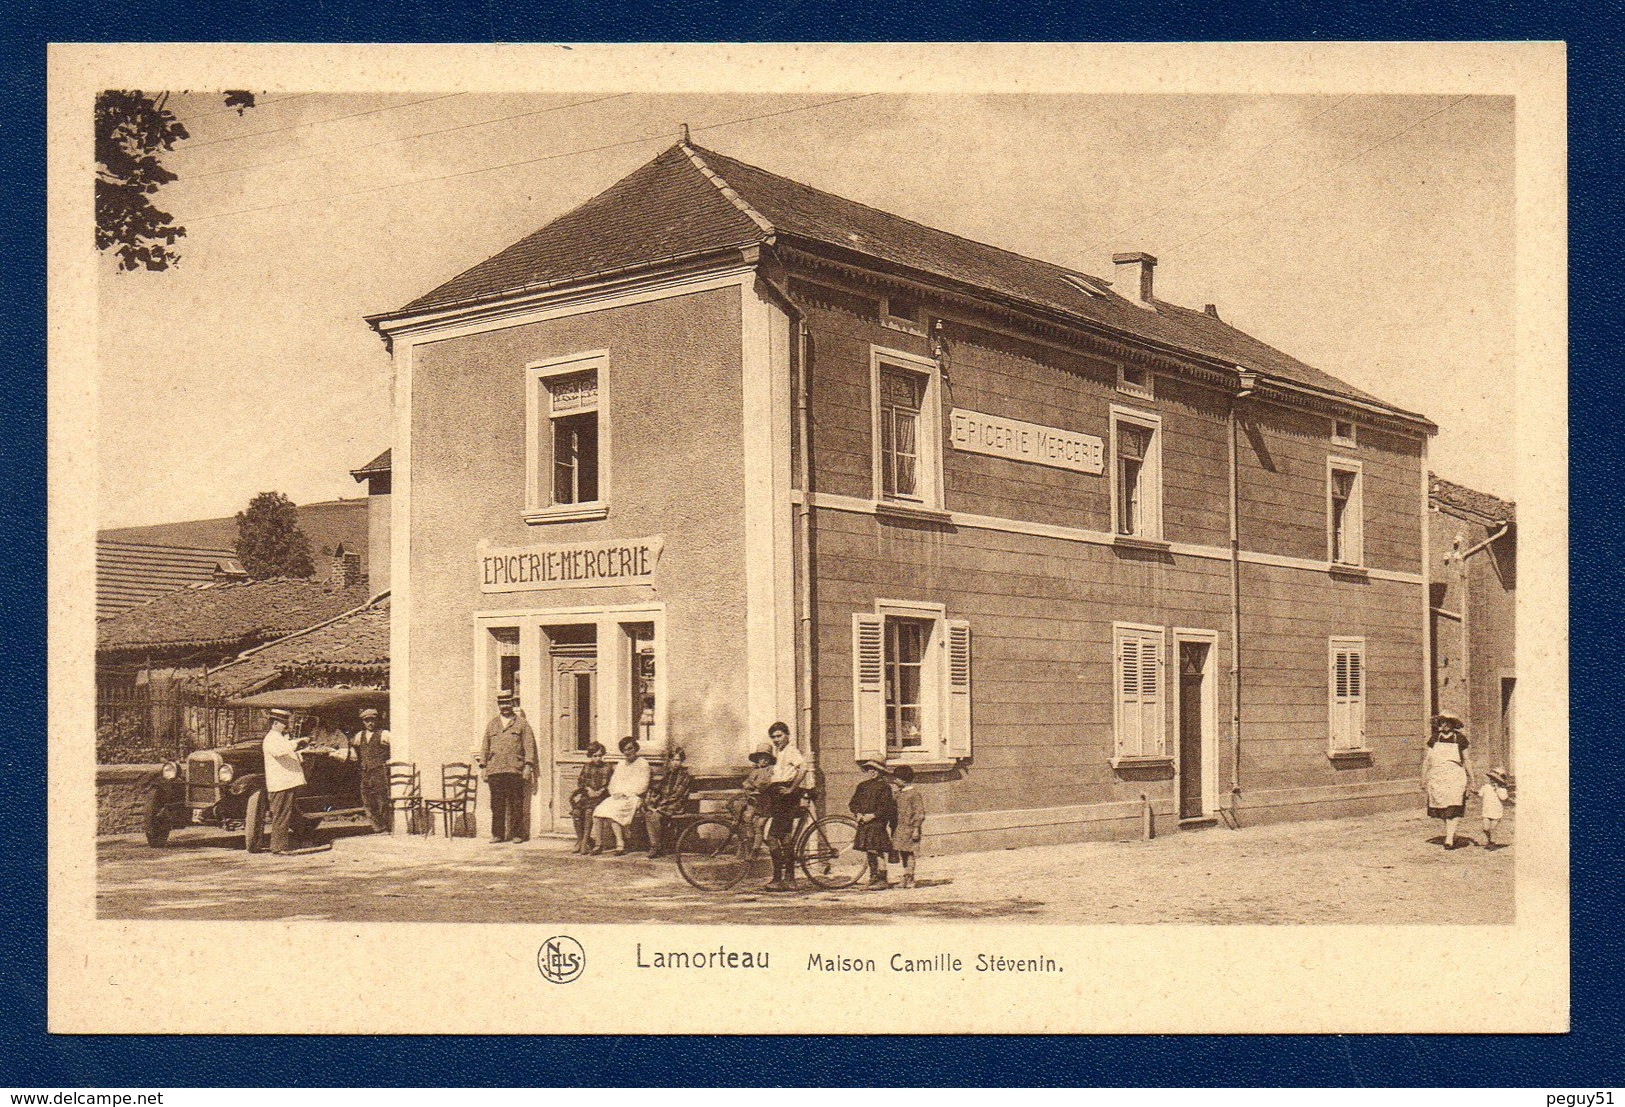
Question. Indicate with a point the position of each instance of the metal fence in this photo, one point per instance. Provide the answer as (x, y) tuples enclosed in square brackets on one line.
[(142, 726)]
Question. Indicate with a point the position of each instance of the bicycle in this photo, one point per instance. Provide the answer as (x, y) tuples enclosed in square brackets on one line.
[(714, 854)]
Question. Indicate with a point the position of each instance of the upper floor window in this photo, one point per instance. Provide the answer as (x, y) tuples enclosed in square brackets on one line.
[(1344, 433), (907, 430), (1345, 511), (902, 313), (1137, 380), (1136, 474), (564, 443)]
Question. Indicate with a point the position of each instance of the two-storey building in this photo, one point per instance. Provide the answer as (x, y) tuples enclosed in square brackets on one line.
[(717, 448)]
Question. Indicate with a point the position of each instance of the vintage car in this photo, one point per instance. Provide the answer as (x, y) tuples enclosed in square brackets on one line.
[(225, 787)]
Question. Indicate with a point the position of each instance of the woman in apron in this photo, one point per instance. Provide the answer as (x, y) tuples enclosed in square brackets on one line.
[(1446, 771), (627, 784)]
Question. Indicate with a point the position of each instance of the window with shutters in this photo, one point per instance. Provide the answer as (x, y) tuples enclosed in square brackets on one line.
[(907, 425), (1136, 474), (1345, 512), (565, 440), (1137, 659), (1346, 679), (911, 683)]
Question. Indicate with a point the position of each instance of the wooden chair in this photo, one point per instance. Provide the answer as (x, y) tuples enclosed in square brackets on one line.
[(406, 794), (459, 796)]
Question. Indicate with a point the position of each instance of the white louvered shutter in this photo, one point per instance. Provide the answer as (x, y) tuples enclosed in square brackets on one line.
[(868, 686), (1347, 680), (959, 678), (1139, 694)]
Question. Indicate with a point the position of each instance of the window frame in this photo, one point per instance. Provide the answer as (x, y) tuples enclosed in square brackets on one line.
[(1160, 755), (1334, 645), (539, 504), (1356, 508), (929, 437), (934, 693), (1352, 439), (902, 322), (1150, 474), (1146, 391)]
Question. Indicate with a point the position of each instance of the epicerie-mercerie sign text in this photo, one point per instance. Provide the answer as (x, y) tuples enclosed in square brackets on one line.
[(579, 565), (1011, 438)]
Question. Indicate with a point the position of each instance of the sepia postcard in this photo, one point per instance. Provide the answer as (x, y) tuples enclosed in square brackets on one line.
[(880, 539)]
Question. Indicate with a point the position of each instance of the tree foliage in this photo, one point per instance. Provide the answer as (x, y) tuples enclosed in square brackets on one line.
[(133, 131), (270, 542)]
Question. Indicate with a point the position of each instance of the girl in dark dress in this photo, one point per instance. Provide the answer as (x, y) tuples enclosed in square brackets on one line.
[(872, 803), (591, 787)]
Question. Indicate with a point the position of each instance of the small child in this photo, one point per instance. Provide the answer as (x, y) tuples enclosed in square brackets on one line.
[(755, 800), (910, 820), (1493, 795), (877, 815), (591, 788)]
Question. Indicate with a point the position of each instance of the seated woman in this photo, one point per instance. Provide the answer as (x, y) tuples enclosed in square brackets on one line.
[(627, 785)]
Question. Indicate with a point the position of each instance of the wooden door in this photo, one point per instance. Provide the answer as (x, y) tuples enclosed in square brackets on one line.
[(575, 719), (1192, 765)]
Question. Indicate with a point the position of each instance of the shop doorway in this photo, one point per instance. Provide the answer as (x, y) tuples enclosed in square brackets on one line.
[(573, 662), (1196, 727)]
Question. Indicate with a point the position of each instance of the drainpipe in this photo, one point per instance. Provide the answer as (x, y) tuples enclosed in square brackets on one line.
[(1247, 381), (806, 718)]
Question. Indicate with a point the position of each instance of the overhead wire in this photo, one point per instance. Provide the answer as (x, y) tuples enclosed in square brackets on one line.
[(1317, 176), (402, 138), (524, 161), (258, 103), (191, 146)]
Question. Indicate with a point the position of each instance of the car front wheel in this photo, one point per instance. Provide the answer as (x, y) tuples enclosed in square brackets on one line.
[(154, 822), (254, 822)]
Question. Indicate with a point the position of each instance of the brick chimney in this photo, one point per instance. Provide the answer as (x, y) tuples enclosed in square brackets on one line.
[(346, 568), (1133, 281)]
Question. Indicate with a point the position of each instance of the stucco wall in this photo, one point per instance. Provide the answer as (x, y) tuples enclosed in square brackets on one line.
[(670, 399)]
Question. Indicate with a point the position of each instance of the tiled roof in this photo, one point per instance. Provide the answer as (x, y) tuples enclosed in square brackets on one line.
[(356, 641), (1463, 500), (328, 524), (379, 464), (130, 573), (690, 201), (223, 614)]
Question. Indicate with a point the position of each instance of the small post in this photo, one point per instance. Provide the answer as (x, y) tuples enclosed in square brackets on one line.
[(1147, 820), (683, 133)]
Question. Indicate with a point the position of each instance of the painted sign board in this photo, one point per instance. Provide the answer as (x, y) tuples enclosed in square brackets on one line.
[(606, 564), (979, 433)]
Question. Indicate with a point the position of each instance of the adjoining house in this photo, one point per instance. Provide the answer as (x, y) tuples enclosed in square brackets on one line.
[(131, 573), (350, 650), (134, 564), (717, 448), (1472, 586)]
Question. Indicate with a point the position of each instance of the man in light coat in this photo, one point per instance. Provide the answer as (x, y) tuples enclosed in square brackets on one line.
[(508, 760), (284, 776)]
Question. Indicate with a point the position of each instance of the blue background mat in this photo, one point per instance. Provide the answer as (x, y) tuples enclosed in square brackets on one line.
[(1588, 1057)]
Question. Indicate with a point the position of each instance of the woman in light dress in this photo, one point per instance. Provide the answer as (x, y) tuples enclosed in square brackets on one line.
[(1446, 771), (627, 785)]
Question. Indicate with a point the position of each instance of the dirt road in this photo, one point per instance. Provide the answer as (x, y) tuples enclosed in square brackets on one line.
[(1378, 869)]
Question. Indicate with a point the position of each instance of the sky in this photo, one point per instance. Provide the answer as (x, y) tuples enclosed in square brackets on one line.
[(1370, 236)]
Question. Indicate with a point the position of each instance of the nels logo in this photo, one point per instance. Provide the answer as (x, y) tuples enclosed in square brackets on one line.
[(561, 959)]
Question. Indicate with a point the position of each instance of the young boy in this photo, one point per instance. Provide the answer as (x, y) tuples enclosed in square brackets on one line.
[(755, 799), (910, 819), (1493, 795)]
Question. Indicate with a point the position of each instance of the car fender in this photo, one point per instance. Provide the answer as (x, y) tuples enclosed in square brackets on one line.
[(243, 785), (170, 793)]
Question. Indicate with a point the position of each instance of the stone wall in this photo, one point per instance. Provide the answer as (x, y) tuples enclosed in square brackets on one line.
[(121, 796)]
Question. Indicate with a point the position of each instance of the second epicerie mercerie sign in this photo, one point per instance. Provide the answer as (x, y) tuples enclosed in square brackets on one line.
[(978, 433), (614, 561)]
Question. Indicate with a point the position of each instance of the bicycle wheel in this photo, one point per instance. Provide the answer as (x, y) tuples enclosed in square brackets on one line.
[(713, 856), (826, 854)]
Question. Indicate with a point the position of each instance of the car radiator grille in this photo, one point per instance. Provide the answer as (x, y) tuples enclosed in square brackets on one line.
[(200, 782)]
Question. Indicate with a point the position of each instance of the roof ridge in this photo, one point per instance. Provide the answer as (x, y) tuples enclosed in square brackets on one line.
[(1057, 266), (727, 190)]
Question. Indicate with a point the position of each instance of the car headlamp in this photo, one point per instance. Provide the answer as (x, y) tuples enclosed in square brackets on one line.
[(170, 771), (225, 774)]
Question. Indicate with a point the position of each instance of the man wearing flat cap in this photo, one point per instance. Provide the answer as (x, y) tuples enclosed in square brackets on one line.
[(508, 760), (284, 776), (369, 748)]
